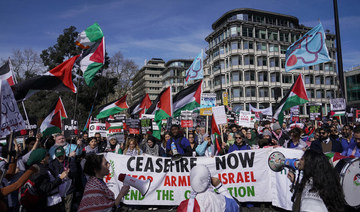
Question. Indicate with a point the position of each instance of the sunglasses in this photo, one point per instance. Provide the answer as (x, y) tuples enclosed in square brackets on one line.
[(322, 133), (238, 137)]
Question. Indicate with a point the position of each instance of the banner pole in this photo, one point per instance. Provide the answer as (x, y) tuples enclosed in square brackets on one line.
[(207, 125), (26, 115), (187, 132)]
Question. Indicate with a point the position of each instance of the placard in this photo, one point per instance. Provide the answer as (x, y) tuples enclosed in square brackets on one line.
[(315, 111), (246, 119), (146, 125), (207, 101), (337, 104), (97, 128), (219, 115)]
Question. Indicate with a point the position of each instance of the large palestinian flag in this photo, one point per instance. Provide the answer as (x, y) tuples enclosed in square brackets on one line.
[(141, 106), (89, 36), (52, 123), (112, 108), (92, 60), (59, 79), (187, 99), (162, 108), (296, 96)]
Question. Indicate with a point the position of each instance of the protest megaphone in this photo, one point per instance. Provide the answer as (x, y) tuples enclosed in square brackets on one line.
[(176, 156), (142, 185), (277, 162)]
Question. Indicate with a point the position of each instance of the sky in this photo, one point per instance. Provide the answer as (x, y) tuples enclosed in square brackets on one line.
[(167, 29)]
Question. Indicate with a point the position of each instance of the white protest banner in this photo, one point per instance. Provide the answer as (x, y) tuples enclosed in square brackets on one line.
[(11, 118), (337, 104), (245, 174), (280, 184), (219, 115), (265, 111), (97, 128)]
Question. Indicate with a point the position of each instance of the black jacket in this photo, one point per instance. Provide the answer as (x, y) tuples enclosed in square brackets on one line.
[(57, 168), (336, 146)]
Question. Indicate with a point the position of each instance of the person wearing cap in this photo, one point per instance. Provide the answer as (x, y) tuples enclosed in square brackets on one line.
[(204, 197), (239, 144), (60, 164), (43, 184), (278, 134)]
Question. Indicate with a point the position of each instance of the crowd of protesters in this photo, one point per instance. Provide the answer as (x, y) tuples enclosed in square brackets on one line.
[(62, 170)]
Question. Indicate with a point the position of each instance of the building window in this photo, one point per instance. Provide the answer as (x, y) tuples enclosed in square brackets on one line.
[(329, 81), (330, 94), (283, 49), (284, 36), (237, 92), (260, 33), (273, 48), (320, 94), (287, 78), (272, 35), (319, 80), (261, 61), (261, 46), (274, 62), (248, 45), (249, 76), (235, 76), (310, 93), (263, 92), (247, 32), (250, 92), (237, 107), (309, 79), (235, 60), (275, 77), (234, 45), (249, 60), (262, 77)]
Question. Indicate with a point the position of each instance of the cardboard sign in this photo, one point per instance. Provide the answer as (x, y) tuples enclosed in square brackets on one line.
[(337, 104), (219, 115), (246, 119), (11, 118)]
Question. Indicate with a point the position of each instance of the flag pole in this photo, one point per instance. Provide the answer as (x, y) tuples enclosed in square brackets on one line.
[(92, 107), (26, 115)]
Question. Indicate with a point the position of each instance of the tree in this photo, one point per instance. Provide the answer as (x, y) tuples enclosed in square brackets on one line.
[(124, 70), (26, 63)]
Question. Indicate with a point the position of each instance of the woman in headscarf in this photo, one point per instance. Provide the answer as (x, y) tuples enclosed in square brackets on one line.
[(151, 147)]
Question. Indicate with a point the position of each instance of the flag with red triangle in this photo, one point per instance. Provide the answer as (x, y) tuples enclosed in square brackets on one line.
[(6, 73), (162, 108), (112, 108), (58, 78), (52, 123), (87, 124), (296, 96), (92, 60), (141, 106)]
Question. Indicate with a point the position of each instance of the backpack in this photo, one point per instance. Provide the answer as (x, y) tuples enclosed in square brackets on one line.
[(28, 197)]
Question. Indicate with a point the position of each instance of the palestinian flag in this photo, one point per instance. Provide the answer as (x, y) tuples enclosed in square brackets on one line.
[(187, 99), (141, 106), (337, 113), (92, 60), (86, 127), (112, 108), (296, 96), (89, 36), (52, 123), (6, 73), (214, 127), (162, 108), (59, 79)]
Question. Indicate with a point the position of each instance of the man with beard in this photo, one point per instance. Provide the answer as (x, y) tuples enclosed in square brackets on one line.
[(69, 148), (347, 138), (325, 143), (354, 147), (182, 144)]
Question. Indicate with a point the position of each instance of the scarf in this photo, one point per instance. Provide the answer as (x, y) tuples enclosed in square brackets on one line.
[(152, 150), (90, 150), (133, 152), (276, 135), (97, 196)]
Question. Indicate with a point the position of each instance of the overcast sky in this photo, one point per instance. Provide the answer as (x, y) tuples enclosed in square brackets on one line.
[(168, 29)]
